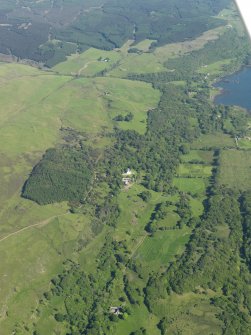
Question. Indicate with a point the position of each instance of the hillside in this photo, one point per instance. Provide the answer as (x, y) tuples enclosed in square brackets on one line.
[(46, 31), (121, 211)]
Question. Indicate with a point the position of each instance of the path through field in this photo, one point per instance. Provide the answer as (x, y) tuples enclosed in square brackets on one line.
[(41, 223), (85, 67), (137, 246)]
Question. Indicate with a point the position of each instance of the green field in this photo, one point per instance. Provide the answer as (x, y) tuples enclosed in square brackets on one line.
[(190, 314), (202, 156), (132, 222), (170, 221), (144, 45), (159, 249), (217, 140), (140, 317), (216, 68), (244, 143), (137, 63), (197, 207), (235, 169), (194, 170), (195, 186), (89, 63)]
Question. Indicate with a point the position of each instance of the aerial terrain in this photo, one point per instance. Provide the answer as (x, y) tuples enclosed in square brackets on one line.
[(125, 190)]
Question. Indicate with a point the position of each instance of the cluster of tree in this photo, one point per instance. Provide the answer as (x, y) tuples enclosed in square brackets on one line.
[(224, 212), (135, 51), (235, 121), (126, 118), (133, 293), (213, 260), (64, 173), (184, 210), (145, 196), (246, 209), (158, 214), (86, 297)]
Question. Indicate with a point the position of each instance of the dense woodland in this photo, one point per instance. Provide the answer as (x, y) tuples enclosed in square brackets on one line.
[(62, 174), (78, 25)]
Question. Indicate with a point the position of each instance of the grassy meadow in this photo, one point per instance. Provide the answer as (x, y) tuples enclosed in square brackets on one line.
[(89, 63), (235, 169), (212, 141), (216, 68), (161, 248)]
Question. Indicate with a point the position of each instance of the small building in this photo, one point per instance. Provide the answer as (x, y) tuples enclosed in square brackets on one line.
[(127, 173), (126, 181), (115, 310), (106, 60), (127, 177)]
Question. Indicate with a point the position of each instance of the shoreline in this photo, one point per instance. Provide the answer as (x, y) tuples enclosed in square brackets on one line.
[(220, 91)]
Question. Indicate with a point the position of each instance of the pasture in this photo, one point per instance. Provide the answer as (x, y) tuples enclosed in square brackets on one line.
[(144, 45), (214, 141), (190, 313), (244, 143), (196, 204), (235, 169), (194, 170), (140, 318), (216, 68), (88, 63), (134, 63), (194, 186), (170, 221), (196, 156), (158, 250), (132, 222)]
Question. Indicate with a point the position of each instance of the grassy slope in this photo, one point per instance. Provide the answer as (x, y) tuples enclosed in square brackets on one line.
[(30, 123), (29, 260), (89, 62)]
